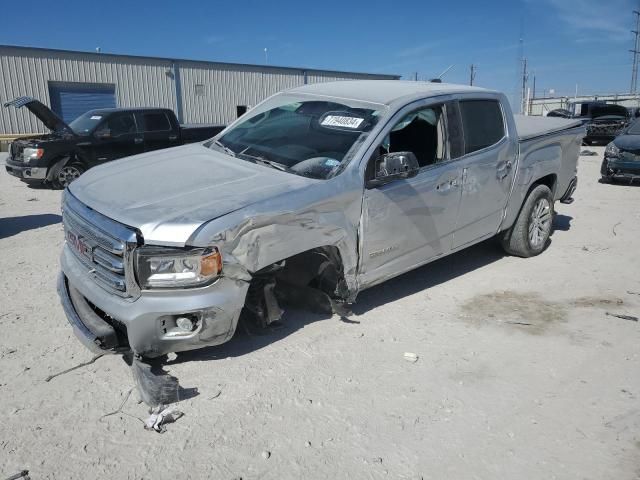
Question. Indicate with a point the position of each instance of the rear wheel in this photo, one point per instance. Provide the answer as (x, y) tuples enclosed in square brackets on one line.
[(66, 174), (529, 235)]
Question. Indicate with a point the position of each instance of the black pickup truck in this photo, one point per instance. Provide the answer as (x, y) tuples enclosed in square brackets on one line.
[(93, 138)]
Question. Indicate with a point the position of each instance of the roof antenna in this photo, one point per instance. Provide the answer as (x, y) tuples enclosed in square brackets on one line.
[(438, 79)]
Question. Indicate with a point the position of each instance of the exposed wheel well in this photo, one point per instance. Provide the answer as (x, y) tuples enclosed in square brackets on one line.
[(311, 279), (548, 180)]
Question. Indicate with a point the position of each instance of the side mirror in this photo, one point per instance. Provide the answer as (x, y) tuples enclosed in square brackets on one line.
[(103, 134), (394, 166)]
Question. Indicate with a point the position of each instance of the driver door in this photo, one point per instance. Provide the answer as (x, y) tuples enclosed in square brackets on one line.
[(408, 222), (117, 137)]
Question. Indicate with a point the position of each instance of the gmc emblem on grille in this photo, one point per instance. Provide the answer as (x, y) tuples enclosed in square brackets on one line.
[(79, 245)]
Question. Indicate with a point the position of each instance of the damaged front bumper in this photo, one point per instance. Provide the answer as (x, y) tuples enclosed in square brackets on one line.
[(148, 325), (620, 168)]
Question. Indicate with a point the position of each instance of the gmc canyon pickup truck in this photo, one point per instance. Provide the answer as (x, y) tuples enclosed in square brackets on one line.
[(317, 193), (96, 137)]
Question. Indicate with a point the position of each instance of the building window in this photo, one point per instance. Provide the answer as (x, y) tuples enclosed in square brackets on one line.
[(199, 89)]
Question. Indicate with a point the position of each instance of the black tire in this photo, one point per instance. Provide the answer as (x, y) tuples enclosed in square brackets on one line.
[(65, 173), (529, 235), (606, 179)]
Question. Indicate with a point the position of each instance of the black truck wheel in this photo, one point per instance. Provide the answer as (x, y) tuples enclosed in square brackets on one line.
[(529, 235), (66, 173)]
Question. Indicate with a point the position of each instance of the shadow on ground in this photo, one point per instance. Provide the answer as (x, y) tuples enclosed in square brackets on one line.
[(412, 282), (13, 225), (562, 222)]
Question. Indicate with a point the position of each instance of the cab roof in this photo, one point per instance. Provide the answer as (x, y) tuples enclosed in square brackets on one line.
[(383, 92)]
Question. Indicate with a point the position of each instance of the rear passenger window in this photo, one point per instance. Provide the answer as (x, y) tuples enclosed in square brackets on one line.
[(156, 122), (482, 123)]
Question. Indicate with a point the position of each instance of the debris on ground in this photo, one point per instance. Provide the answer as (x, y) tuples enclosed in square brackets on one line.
[(588, 153), (623, 317), (614, 229), (633, 293), (80, 365), (266, 454), (24, 475), (160, 416), (216, 394), (410, 357), (119, 409), (155, 385)]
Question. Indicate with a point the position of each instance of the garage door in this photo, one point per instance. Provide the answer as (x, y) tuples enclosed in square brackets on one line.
[(70, 100)]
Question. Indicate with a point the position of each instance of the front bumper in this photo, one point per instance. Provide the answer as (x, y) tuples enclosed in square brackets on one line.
[(25, 172), (145, 324), (620, 168)]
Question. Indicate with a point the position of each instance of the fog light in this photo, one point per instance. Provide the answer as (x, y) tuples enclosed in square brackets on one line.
[(184, 323)]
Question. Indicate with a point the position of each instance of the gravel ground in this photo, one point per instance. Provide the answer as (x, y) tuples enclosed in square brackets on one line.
[(520, 371)]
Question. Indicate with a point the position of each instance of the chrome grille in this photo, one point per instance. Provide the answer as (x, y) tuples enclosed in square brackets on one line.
[(103, 246)]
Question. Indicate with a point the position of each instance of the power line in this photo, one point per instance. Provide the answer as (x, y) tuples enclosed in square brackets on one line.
[(525, 77)]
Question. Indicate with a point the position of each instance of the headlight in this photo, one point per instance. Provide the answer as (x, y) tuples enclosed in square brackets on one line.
[(159, 267), (612, 150), (32, 153)]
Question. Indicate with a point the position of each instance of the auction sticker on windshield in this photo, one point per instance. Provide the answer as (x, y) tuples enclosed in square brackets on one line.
[(341, 121)]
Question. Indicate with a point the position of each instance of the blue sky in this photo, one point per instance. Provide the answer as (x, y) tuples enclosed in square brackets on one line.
[(565, 41)]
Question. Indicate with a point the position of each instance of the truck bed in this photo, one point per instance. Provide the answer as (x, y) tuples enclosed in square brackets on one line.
[(533, 127)]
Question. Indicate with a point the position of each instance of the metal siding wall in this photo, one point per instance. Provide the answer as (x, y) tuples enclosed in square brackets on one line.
[(139, 82), (226, 86), (144, 82)]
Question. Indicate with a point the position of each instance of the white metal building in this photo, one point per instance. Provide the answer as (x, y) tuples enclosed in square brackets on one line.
[(199, 92)]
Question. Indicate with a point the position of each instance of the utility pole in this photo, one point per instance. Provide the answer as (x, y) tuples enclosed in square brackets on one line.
[(635, 51), (523, 97), (534, 85), (472, 74)]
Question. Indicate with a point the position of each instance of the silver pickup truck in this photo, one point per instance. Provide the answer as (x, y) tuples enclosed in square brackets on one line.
[(312, 196)]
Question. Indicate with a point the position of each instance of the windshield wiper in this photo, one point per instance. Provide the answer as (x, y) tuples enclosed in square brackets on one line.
[(226, 149), (264, 161)]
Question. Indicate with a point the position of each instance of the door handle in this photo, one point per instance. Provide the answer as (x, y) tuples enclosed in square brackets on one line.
[(173, 137), (137, 140)]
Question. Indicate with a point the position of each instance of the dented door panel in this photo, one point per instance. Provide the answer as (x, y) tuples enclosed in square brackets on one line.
[(409, 222)]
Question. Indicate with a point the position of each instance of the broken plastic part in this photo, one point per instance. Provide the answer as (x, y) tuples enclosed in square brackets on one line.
[(155, 385)]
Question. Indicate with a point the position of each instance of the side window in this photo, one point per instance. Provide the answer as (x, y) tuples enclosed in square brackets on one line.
[(121, 124), (156, 122), (482, 123), (422, 132)]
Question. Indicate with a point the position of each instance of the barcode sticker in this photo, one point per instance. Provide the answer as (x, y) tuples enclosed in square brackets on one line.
[(341, 121), (95, 117)]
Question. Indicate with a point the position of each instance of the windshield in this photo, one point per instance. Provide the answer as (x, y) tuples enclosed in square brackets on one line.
[(312, 138), (86, 123)]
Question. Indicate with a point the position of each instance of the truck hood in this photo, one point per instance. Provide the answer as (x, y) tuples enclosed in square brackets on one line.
[(52, 121), (168, 194)]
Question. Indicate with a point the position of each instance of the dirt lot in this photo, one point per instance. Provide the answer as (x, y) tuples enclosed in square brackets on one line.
[(520, 372)]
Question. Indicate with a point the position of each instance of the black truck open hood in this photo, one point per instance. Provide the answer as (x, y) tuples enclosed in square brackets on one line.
[(52, 121)]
